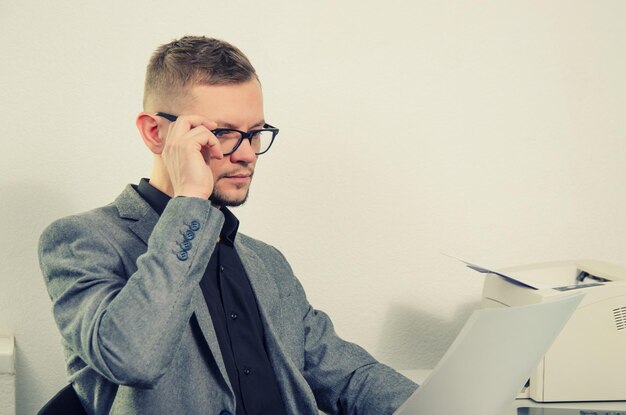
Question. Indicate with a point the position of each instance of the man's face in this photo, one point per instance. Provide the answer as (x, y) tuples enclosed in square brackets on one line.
[(236, 106)]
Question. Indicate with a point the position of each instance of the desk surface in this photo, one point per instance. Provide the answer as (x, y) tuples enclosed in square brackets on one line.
[(419, 376)]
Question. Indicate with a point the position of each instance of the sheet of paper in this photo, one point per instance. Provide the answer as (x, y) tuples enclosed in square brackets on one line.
[(491, 359), (514, 279)]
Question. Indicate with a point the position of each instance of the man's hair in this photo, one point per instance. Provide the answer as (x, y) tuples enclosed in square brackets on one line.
[(192, 60)]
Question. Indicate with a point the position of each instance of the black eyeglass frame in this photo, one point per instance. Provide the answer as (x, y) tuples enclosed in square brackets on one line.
[(244, 135)]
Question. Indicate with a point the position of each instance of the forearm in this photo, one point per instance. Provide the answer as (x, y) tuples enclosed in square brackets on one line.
[(375, 389), (345, 378), (128, 327)]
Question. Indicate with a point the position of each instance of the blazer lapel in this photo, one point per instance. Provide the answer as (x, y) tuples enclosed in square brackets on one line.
[(131, 205), (297, 395), (263, 285), (201, 311)]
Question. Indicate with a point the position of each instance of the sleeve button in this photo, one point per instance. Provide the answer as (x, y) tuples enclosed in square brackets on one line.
[(185, 245), (189, 234), (194, 225), (182, 255)]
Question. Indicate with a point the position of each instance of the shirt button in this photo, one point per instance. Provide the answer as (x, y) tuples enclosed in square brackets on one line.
[(222, 268), (234, 316), (246, 371), (194, 225)]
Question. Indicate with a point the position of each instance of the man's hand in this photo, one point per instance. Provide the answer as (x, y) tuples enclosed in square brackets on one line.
[(189, 146)]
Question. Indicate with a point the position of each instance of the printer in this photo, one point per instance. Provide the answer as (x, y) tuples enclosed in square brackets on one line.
[(587, 362)]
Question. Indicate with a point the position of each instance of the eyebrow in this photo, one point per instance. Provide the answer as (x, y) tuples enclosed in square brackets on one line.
[(230, 126)]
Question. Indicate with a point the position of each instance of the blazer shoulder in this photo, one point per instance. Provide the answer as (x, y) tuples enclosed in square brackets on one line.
[(95, 218), (128, 206)]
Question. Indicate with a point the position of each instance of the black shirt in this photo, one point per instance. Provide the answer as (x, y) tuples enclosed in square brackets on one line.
[(235, 316)]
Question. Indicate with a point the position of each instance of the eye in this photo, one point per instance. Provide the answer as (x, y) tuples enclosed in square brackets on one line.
[(226, 134)]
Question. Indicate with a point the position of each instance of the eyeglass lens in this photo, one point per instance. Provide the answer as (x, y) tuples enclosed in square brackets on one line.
[(260, 142)]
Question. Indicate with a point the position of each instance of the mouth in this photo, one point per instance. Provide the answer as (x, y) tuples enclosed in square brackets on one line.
[(239, 177)]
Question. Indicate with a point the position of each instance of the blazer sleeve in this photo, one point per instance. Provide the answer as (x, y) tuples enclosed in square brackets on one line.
[(344, 378), (126, 327)]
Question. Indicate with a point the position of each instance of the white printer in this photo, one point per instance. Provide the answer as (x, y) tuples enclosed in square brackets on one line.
[(587, 362)]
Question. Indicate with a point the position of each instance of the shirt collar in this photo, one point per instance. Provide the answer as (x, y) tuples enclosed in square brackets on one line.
[(159, 200), (231, 225), (155, 198)]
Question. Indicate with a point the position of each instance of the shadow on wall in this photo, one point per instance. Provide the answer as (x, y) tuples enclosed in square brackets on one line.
[(25, 307), (417, 339)]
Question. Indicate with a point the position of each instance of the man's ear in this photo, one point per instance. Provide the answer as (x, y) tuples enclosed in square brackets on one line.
[(153, 130)]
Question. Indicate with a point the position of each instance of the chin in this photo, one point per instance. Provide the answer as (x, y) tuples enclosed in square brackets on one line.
[(224, 200)]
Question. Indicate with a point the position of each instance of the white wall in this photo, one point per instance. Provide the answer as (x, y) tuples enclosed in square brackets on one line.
[(493, 130)]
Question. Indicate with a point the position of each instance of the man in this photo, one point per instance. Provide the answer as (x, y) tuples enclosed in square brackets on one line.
[(164, 308)]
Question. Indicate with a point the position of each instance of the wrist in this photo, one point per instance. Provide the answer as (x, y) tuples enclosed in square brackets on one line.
[(197, 193)]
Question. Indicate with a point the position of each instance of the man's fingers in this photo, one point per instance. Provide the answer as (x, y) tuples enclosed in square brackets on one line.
[(206, 140), (187, 122), (189, 146), (198, 129), (215, 148)]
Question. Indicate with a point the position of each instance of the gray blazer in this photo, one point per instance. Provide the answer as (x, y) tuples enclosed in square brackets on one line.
[(138, 336)]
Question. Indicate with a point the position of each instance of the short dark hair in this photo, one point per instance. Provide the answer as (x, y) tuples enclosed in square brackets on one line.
[(193, 60)]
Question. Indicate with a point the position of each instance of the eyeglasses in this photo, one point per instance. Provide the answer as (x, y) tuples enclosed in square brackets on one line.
[(260, 140)]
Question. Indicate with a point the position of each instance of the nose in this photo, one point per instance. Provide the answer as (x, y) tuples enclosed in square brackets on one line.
[(244, 153)]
